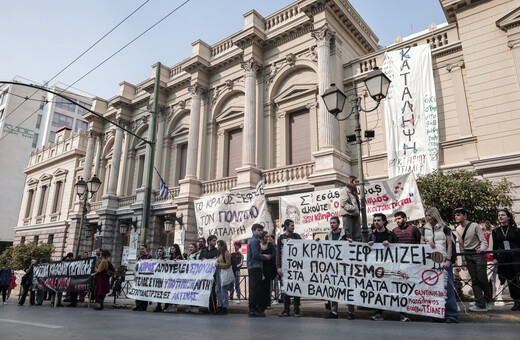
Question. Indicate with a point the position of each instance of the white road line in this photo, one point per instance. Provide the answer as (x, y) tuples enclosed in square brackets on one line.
[(31, 323)]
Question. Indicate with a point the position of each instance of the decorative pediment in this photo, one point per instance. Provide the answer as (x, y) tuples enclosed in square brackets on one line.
[(60, 173), (45, 177), (32, 182), (507, 22), (139, 145), (230, 112), (181, 129), (294, 92)]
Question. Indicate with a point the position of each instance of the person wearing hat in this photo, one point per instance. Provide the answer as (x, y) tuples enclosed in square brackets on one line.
[(255, 264)]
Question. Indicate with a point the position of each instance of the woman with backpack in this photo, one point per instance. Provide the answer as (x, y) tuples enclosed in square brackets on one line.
[(103, 273), (437, 234)]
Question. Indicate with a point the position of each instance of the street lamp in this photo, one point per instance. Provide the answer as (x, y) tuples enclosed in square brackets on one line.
[(85, 190), (168, 226), (377, 84)]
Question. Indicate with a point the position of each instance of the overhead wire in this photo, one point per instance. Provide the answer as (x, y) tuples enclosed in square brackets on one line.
[(70, 64), (114, 54)]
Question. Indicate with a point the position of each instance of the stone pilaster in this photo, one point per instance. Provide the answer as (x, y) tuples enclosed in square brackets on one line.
[(89, 156), (161, 120), (461, 103), (196, 91)]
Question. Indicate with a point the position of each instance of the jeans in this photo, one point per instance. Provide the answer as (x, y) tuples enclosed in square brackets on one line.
[(477, 267), (255, 287), (53, 296), (235, 285), (27, 290), (451, 307), (222, 292)]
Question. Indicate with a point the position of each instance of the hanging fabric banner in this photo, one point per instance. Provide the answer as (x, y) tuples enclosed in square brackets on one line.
[(412, 135), (230, 216)]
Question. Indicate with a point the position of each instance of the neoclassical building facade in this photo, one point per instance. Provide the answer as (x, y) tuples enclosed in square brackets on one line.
[(248, 108)]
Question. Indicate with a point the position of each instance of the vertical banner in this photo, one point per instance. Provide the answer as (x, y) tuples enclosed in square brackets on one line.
[(311, 211), (412, 135), (392, 195), (400, 277), (177, 282), (230, 216)]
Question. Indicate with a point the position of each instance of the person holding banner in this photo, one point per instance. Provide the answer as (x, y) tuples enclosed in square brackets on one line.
[(193, 255), (268, 270), (381, 235), (255, 264), (102, 280), (338, 234), (224, 276), (437, 233), (350, 210), (289, 234), (208, 253), (140, 306), (160, 256), (27, 285)]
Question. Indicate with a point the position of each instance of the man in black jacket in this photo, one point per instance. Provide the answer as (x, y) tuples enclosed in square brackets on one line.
[(288, 226)]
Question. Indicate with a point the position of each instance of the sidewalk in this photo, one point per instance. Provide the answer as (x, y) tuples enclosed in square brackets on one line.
[(316, 309)]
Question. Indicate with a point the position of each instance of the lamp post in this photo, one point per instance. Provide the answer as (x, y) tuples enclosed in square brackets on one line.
[(377, 84), (85, 190), (168, 226)]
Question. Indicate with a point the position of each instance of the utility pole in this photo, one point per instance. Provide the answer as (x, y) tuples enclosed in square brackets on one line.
[(151, 155)]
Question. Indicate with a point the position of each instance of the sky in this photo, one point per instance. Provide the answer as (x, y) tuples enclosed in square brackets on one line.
[(40, 38)]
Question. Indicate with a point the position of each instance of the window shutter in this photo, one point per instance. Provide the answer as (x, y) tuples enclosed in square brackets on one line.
[(234, 151), (299, 137)]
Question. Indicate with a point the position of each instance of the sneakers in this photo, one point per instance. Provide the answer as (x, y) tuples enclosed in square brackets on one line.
[(296, 314), (171, 309), (377, 317), (237, 302), (351, 316), (5, 303), (405, 318), (478, 309), (331, 316), (256, 314), (284, 315), (490, 306)]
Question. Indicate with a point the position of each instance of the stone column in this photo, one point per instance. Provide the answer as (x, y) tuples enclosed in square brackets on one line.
[(249, 132), (99, 154), (196, 91), (116, 162), (89, 157), (159, 149), (327, 130)]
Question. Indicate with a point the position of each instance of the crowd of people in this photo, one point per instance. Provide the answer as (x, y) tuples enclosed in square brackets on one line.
[(264, 263)]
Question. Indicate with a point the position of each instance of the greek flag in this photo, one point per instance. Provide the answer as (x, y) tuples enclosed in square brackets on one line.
[(164, 188)]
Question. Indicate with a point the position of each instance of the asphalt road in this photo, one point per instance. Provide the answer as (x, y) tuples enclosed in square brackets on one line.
[(80, 323)]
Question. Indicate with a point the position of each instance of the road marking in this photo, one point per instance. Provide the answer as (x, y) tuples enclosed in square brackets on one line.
[(31, 323)]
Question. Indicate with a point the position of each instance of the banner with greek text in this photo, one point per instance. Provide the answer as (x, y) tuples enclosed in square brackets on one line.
[(412, 134), (311, 211), (399, 277), (176, 282), (64, 276), (230, 216), (392, 195)]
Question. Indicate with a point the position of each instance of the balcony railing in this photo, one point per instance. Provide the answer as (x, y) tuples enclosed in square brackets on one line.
[(95, 205), (126, 201), (172, 193), (289, 173), (218, 185)]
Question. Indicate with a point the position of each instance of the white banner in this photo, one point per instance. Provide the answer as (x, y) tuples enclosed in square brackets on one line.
[(399, 277), (176, 282), (392, 195), (230, 216), (311, 211), (412, 135)]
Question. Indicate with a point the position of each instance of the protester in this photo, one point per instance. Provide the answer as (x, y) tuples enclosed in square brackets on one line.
[(202, 243), (381, 235), (268, 270), (104, 270), (236, 264), (175, 253), (289, 234), (406, 233), (27, 284), (140, 306), (208, 253), (438, 235), (275, 282), (255, 260), (350, 209), (12, 285), (193, 255), (487, 229), (5, 281), (73, 296), (223, 263), (84, 256), (338, 234), (507, 237), (474, 242), (160, 256)]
